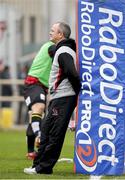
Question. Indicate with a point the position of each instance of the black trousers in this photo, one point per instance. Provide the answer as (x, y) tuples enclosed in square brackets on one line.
[(53, 132)]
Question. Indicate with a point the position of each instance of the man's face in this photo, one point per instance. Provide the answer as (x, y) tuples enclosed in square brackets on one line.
[(1, 67), (55, 34)]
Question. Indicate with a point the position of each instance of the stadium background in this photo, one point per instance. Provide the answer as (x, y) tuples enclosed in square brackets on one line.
[(24, 27)]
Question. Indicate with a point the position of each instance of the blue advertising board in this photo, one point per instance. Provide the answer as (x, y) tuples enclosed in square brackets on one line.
[(100, 132)]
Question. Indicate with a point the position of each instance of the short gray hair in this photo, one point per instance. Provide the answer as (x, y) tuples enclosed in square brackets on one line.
[(65, 29)]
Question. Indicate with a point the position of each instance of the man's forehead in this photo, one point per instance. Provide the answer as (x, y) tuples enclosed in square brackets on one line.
[(55, 25)]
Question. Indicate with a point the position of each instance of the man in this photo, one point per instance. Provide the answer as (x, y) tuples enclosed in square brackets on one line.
[(64, 85), (6, 90), (35, 90)]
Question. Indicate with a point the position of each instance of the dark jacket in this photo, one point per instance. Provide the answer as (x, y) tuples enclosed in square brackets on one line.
[(64, 78)]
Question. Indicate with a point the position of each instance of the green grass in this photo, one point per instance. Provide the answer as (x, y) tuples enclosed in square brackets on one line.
[(13, 161)]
